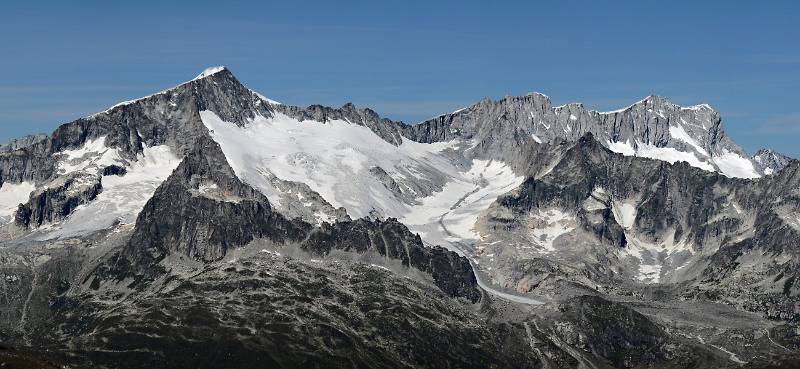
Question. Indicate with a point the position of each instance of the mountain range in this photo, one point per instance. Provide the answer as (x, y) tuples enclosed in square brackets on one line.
[(210, 226)]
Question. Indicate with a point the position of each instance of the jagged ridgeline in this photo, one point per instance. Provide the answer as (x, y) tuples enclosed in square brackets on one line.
[(209, 226)]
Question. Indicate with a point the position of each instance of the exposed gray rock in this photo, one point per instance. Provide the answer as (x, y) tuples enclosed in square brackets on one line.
[(114, 170), (385, 128), (56, 201), (743, 235), (22, 142), (501, 127), (769, 161)]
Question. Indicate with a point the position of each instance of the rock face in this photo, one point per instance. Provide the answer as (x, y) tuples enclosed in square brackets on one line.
[(769, 161), (733, 238), (653, 127), (23, 142), (202, 211), (391, 239), (57, 201)]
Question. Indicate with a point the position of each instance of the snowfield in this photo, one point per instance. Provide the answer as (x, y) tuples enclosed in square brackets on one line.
[(334, 159)]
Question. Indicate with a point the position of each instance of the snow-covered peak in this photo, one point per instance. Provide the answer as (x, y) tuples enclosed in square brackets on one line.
[(210, 71)]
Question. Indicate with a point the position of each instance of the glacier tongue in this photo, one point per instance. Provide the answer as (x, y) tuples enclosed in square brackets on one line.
[(450, 215)]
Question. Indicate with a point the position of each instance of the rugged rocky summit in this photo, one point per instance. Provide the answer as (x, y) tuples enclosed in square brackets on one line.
[(209, 226), (22, 142), (770, 161), (653, 127)]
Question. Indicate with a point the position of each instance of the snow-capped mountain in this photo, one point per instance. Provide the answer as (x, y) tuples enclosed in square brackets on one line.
[(653, 128), (517, 233)]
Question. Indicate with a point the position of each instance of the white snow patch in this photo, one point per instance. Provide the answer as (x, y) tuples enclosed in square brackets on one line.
[(623, 148), (649, 273), (652, 257), (734, 165), (671, 155), (679, 133), (266, 99), (597, 200), (624, 213), (13, 194), (206, 187), (729, 164), (698, 107)]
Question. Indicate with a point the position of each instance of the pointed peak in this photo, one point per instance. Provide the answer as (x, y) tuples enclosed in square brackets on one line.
[(211, 71), (212, 80)]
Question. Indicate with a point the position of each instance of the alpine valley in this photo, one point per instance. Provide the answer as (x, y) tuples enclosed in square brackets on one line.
[(207, 226)]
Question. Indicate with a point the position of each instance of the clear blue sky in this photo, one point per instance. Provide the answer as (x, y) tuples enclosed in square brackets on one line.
[(410, 60)]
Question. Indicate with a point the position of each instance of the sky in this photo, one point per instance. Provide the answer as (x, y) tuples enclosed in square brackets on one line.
[(410, 60)]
